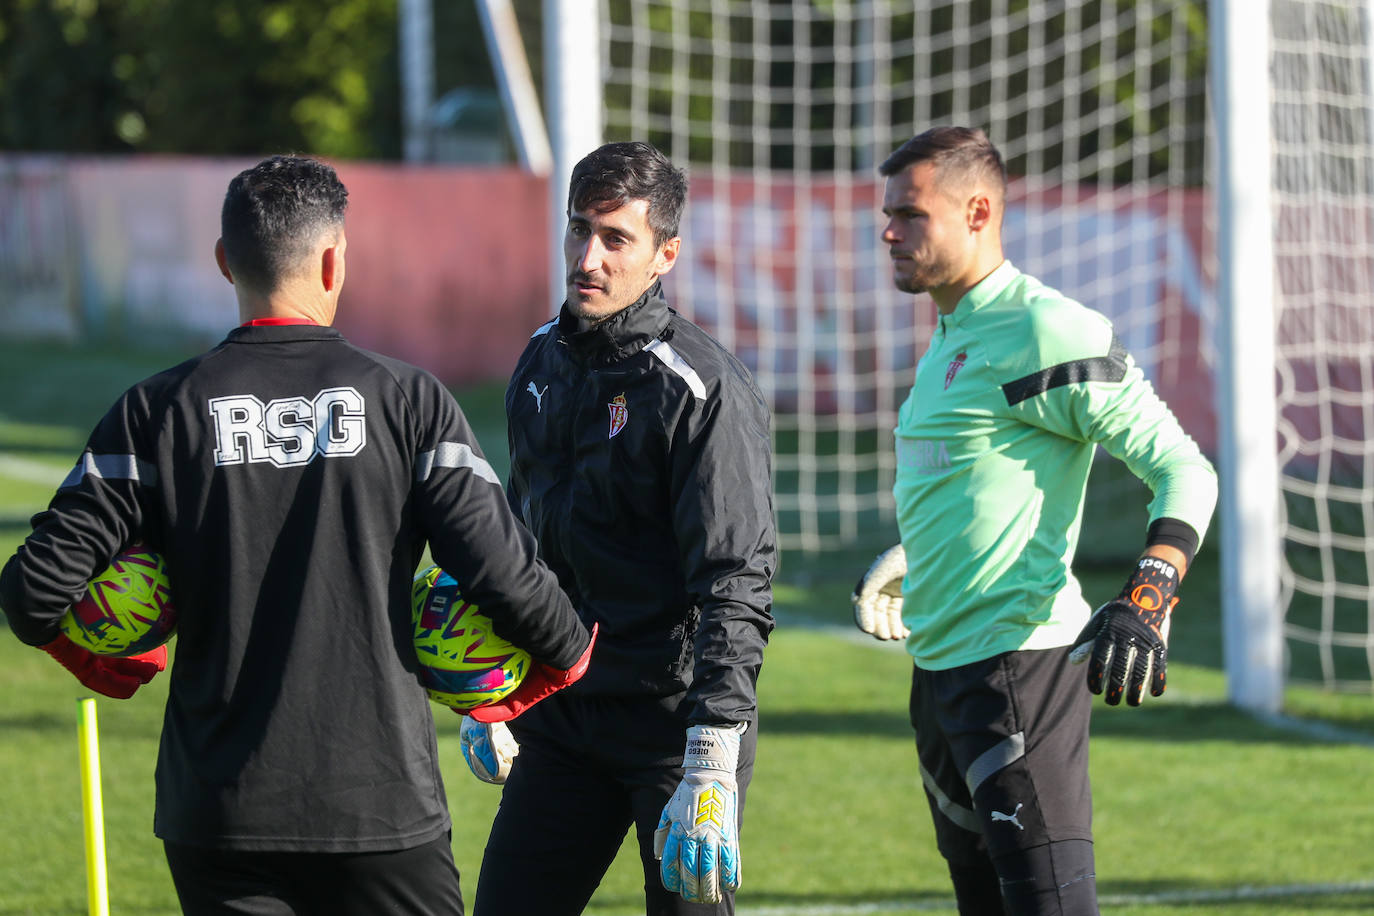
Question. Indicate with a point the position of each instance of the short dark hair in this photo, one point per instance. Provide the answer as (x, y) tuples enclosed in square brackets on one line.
[(613, 174), (275, 213), (965, 152)]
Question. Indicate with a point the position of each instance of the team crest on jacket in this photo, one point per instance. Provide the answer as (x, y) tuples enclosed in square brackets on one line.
[(954, 366), (620, 415)]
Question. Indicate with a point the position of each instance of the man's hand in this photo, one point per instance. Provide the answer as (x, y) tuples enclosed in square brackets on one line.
[(877, 599), (488, 748), (697, 839), (540, 681), (107, 674), (1126, 642)]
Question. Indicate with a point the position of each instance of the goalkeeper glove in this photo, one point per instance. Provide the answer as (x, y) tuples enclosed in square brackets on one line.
[(877, 599), (488, 748), (109, 675), (697, 840), (540, 681), (1126, 642)]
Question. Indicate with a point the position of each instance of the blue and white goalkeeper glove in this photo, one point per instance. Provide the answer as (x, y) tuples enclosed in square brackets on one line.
[(488, 748), (697, 840), (877, 599)]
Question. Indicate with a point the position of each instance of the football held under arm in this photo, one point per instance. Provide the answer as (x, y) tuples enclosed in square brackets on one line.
[(475, 537), (98, 509)]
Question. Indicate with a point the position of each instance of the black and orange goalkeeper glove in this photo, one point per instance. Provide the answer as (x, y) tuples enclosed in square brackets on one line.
[(1126, 641)]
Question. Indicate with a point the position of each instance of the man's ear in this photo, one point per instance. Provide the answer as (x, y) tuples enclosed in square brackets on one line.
[(222, 260), (979, 211), (331, 267), (667, 255)]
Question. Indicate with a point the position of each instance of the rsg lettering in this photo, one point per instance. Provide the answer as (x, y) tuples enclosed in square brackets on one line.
[(288, 432)]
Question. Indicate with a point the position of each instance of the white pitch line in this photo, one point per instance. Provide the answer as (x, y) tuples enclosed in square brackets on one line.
[(1244, 892), (28, 471), (1319, 731), (1213, 895), (1307, 728)]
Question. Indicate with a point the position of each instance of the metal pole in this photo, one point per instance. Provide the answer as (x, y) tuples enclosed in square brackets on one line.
[(417, 76), (1246, 413), (517, 87), (572, 92)]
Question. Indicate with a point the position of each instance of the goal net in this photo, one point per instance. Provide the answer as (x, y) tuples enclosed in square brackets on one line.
[(1323, 143), (782, 111)]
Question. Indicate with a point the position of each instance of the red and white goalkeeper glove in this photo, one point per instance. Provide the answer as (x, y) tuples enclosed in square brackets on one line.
[(697, 840), (107, 674), (540, 681), (1126, 642)]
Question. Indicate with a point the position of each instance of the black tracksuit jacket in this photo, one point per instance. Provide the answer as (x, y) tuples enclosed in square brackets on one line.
[(291, 480), (640, 458)]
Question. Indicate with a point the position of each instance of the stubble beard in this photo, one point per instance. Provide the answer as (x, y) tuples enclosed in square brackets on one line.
[(610, 301), (925, 274), (594, 308)]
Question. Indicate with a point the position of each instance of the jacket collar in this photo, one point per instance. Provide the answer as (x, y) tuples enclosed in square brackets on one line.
[(280, 333), (985, 291), (622, 335)]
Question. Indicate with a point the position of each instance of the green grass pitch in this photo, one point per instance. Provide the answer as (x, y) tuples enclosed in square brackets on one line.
[(1199, 809)]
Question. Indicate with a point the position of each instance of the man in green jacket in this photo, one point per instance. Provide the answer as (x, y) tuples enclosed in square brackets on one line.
[(1018, 388)]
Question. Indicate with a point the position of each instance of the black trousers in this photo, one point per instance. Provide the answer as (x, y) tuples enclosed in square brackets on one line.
[(421, 881), (1003, 749), (589, 769)]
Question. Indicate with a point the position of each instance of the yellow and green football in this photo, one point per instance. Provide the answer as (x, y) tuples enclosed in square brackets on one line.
[(127, 609), (463, 663)]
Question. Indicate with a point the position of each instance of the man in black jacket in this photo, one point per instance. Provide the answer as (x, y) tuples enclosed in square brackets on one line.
[(640, 459), (291, 481)]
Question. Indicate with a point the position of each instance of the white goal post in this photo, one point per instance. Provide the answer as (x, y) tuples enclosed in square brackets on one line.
[(1125, 194), (1248, 516)]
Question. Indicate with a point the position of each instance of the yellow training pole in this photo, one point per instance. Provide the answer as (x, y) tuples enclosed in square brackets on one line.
[(92, 815)]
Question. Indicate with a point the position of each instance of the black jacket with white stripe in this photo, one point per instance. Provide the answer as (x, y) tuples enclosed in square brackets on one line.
[(640, 458), (291, 480)]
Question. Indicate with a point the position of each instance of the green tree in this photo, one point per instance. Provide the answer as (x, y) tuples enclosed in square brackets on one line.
[(209, 77), (60, 87)]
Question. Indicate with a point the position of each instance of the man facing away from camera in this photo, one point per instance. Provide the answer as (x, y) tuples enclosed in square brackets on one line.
[(1017, 389), (640, 459), (291, 481)]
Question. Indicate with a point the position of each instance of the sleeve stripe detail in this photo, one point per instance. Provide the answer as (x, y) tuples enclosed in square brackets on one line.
[(111, 467), (670, 358), (1109, 368), (453, 455)]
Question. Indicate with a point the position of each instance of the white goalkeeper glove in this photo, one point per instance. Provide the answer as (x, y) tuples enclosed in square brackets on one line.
[(488, 748), (877, 599), (697, 840)]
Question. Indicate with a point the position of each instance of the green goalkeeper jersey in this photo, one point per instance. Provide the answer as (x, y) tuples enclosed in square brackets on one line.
[(1020, 384)]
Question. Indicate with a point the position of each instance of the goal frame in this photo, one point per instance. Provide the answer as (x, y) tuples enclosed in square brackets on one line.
[(1247, 421), (1249, 524)]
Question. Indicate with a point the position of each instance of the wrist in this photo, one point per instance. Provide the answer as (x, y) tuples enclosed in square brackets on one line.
[(1150, 589), (713, 747)]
